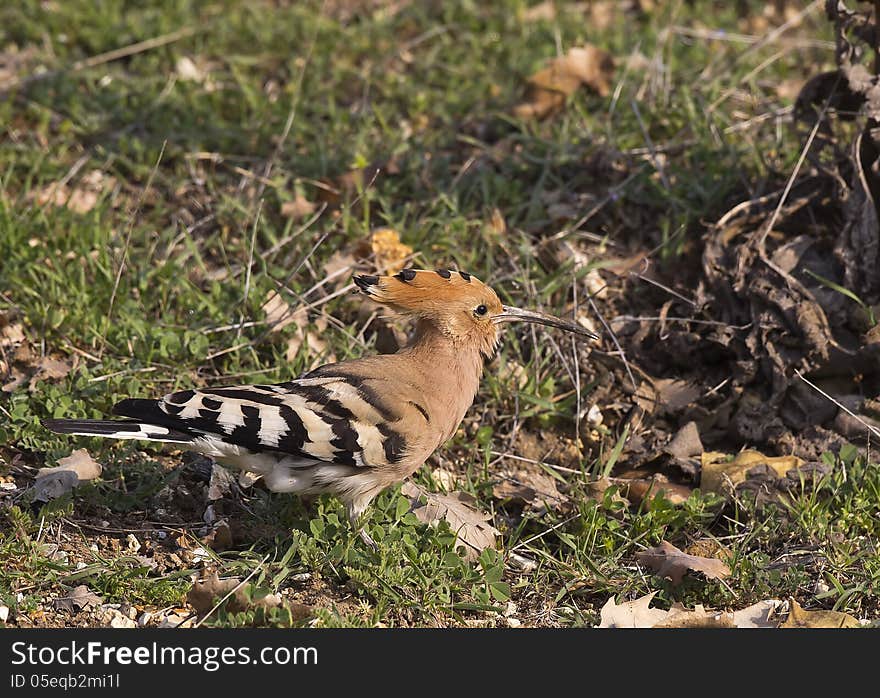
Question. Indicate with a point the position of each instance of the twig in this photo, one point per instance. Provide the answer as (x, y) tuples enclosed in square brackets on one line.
[(107, 57), (871, 429), (250, 264), (655, 161), (614, 339), (544, 533), (650, 318)]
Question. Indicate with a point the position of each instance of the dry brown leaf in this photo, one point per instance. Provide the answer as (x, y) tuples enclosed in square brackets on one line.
[(11, 332), (631, 614), (597, 488), (473, 531), (49, 369), (542, 11), (757, 615), (668, 561), (297, 209), (338, 268), (719, 474), (206, 593), (497, 222), (279, 315), (799, 618), (220, 537), (82, 198), (531, 487), (674, 395), (699, 617), (636, 490), (71, 470), (385, 249), (15, 380), (550, 87), (78, 598), (278, 312), (639, 614)]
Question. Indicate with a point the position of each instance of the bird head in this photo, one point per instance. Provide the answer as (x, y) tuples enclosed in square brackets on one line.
[(458, 304)]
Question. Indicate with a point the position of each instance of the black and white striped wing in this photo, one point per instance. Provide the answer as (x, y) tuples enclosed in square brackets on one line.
[(332, 419)]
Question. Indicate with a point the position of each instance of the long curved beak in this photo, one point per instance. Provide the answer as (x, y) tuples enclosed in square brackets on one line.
[(511, 314)]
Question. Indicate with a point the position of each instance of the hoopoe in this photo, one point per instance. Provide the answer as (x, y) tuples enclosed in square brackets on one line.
[(351, 428)]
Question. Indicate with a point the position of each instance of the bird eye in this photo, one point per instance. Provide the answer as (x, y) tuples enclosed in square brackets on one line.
[(481, 310)]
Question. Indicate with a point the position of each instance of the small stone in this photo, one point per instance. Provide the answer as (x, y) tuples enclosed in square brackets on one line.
[(594, 416), (523, 564), (200, 555), (144, 619), (514, 622), (173, 620), (4, 613), (134, 544), (114, 618)]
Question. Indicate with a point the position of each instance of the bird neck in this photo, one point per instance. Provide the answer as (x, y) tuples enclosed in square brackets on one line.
[(451, 370)]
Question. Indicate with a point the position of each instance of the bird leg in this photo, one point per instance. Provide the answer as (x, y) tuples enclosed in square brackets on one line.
[(355, 514)]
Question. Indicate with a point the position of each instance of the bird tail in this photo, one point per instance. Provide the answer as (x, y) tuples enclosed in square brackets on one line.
[(117, 429)]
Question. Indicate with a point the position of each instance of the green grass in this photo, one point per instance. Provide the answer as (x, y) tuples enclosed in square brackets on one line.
[(135, 289)]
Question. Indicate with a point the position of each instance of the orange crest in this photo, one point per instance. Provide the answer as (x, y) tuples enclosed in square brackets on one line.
[(459, 304)]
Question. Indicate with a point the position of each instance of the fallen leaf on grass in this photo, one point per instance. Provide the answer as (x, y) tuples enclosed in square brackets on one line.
[(637, 490), (385, 249), (220, 537), (699, 617), (473, 531), (533, 488), (799, 618), (49, 369), (77, 599), (719, 474), (668, 561), (297, 209), (550, 87), (82, 198), (757, 615), (207, 593), (674, 395), (338, 268), (78, 467), (14, 380), (279, 315), (631, 614), (11, 332), (639, 614)]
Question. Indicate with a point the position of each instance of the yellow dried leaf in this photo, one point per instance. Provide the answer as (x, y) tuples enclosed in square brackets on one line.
[(548, 88), (799, 618), (719, 474), (388, 251)]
